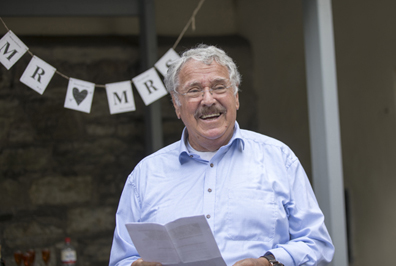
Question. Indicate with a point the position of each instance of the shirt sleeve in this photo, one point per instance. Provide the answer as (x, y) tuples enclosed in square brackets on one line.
[(310, 242), (123, 252)]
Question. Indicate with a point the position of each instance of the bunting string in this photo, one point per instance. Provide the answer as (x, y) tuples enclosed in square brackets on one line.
[(80, 93), (4, 24), (191, 20)]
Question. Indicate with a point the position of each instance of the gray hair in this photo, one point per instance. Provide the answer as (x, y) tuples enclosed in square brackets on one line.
[(206, 54)]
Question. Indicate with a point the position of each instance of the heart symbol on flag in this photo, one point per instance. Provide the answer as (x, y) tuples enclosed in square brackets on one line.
[(79, 96)]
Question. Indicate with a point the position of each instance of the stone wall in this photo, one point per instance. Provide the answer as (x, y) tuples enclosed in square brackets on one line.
[(62, 171)]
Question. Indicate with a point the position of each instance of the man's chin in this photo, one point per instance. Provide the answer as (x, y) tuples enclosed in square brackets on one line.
[(213, 133)]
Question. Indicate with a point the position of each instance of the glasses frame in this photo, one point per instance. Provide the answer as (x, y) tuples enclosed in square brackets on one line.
[(212, 91)]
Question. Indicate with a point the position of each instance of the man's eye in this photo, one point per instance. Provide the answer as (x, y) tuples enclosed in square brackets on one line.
[(219, 88), (194, 90)]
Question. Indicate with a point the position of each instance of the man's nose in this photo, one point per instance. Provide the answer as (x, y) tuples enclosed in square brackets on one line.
[(207, 97)]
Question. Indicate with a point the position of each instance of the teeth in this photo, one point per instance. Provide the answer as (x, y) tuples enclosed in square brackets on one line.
[(210, 115)]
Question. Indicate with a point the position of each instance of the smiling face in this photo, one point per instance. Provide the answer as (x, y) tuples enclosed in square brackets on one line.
[(209, 119)]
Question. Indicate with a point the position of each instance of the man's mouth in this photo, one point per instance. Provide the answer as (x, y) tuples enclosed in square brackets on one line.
[(210, 113), (210, 116)]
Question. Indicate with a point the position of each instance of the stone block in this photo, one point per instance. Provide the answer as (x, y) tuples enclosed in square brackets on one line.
[(71, 126), (99, 130), (12, 195), (99, 249), (8, 104), (60, 190), (30, 234), (130, 130), (90, 220), (4, 128), (27, 159), (21, 133)]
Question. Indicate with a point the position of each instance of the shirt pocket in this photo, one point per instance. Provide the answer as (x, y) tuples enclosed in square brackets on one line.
[(251, 215)]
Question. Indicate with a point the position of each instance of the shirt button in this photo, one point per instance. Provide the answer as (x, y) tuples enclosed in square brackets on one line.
[(211, 165), (209, 190), (191, 156), (208, 216)]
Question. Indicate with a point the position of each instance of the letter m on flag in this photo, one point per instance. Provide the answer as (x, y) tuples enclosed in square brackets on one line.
[(11, 49), (7, 53), (120, 99)]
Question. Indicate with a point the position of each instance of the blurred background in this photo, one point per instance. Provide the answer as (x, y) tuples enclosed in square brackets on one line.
[(62, 171)]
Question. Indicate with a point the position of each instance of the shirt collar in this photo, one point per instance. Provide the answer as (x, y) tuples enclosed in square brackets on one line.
[(184, 155)]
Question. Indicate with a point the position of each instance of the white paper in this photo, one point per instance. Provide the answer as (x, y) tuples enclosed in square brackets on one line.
[(149, 86), (11, 49), (79, 95), (162, 65), (38, 74), (186, 241), (120, 97)]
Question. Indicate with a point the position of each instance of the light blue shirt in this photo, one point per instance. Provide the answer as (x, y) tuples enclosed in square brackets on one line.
[(254, 193)]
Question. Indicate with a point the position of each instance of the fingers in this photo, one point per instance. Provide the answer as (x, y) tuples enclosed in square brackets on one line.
[(141, 262), (253, 262)]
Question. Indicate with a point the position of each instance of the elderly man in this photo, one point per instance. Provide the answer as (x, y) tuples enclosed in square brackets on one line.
[(251, 188)]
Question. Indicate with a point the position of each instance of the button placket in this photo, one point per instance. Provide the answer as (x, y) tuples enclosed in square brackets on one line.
[(209, 195)]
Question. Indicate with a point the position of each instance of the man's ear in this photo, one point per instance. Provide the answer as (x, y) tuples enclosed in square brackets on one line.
[(176, 106), (237, 100)]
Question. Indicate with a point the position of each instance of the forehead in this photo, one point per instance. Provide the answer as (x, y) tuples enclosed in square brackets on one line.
[(198, 72)]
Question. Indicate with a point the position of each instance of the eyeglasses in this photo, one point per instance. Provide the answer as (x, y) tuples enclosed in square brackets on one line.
[(197, 92)]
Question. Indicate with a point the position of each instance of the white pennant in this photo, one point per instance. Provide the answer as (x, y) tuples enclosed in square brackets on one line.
[(11, 49), (38, 74), (149, 86), (79, 95), (120, 97), (162, 65)]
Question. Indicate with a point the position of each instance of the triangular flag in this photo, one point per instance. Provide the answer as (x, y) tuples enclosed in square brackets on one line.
[(11, 49), (79, 95)]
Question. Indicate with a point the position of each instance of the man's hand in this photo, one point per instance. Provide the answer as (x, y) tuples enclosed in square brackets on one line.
[(141, 262), (253, 262)]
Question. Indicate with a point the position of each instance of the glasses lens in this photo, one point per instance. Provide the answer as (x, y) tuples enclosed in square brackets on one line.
[(197, 92)]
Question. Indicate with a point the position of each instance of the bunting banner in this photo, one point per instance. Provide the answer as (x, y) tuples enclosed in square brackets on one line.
[(79, 94)]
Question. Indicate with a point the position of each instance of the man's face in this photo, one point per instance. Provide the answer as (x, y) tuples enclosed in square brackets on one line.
[(210, 118)]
